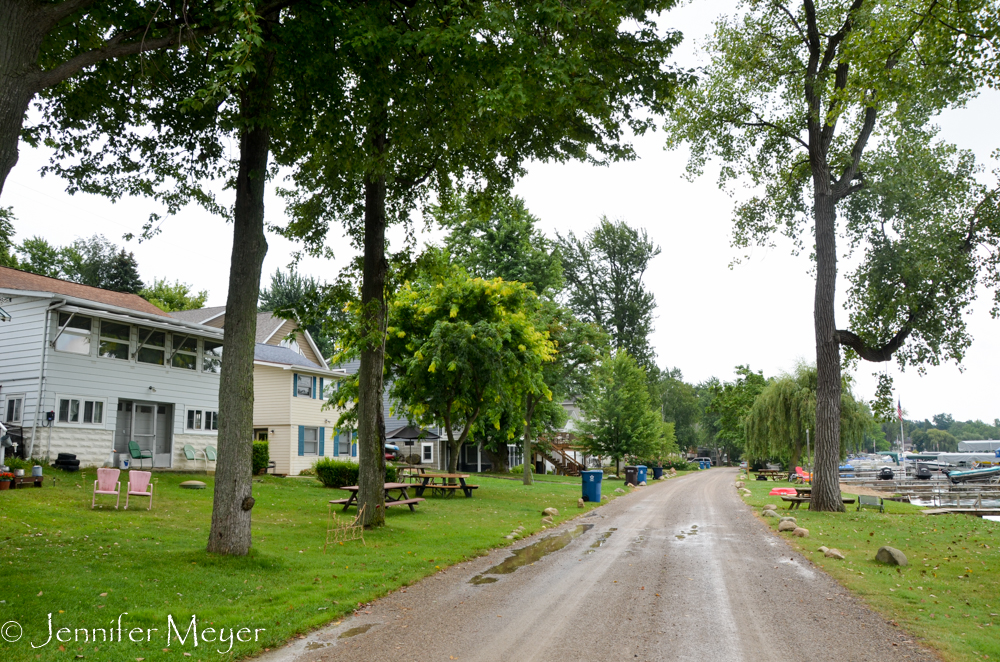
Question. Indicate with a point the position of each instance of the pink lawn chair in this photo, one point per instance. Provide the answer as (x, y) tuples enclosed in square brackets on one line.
[(107, 483), (139, 485)]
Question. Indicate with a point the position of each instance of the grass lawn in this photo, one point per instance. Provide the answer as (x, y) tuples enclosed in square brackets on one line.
[(948, 595), (87, 567)]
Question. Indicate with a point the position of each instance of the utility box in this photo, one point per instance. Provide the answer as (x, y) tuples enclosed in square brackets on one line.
[(592, 485)]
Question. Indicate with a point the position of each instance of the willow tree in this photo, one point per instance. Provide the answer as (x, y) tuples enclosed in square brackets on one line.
[(419, 97), (796, 100), (785, 411)]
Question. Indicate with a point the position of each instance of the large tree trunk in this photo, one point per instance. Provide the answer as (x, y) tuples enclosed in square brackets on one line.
[(526, 453), (371, 423), (499, 461), (230, 533), (826, 479), (20, 42)]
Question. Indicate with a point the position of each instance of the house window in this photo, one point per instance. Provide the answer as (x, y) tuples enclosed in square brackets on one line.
[(260, 434), (345, 443), (304, 386), (202, 420), (15, 403), (310, 441), (75, 336), (185, 352), (428, 452), (152, 346), (212, 361), (74, 410), (115, 339), (290, 344)]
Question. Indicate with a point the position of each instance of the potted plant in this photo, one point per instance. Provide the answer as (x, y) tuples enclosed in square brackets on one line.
[(5, 479)]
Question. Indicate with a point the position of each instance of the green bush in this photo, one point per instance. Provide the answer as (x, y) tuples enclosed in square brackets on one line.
[(519, 469), (336, 473), (18, 463), (261, 456)]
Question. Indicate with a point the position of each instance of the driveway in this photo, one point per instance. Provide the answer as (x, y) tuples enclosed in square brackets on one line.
[(679, 570)]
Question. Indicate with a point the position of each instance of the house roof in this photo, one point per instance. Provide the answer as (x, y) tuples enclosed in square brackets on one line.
[(267, 324), (15, 279), (283, 355), (200, 315)]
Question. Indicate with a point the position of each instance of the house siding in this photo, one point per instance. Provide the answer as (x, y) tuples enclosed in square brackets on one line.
[(20, 353), (272, 396)]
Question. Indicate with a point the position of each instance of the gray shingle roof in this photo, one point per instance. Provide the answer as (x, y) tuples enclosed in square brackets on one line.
[(276, 354), (199, 315)]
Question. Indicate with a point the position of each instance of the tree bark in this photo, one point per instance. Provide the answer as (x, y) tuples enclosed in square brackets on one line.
[(230, 533), (20, 43), (499, 461), (826, 480), (526, 452), (371, 422)]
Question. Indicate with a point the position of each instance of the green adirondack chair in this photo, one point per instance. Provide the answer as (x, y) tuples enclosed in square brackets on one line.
[(136, 453)]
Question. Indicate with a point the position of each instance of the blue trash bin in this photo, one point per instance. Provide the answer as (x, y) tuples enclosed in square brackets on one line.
[(657, 473), (701, 464), (642, 473), (592, 485)]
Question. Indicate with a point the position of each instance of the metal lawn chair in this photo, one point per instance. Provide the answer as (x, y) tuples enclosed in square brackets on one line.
[(139, 485), (107, 483), (136, 453)]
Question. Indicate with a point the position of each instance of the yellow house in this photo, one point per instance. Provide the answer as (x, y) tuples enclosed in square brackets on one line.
[(292, 383)]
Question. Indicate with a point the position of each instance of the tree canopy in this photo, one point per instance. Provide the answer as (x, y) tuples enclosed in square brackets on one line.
[(603, 272), (172, 297)]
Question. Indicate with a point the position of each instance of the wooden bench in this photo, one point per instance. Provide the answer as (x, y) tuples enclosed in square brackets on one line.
[(874, 502), (340, 501), (467, 489), (796, 501), (405, 502)]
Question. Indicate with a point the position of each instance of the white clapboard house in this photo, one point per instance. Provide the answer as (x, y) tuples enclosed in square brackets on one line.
[(85, 370)]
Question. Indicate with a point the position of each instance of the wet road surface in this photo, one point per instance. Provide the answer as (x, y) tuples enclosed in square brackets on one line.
[(679, 570)]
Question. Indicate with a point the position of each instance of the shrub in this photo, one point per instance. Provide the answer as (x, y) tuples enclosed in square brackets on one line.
[(261, 456), (336, 473), (17, 463), (519, 469)]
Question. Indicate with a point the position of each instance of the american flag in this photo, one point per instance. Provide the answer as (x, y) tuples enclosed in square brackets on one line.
[(899, 410)]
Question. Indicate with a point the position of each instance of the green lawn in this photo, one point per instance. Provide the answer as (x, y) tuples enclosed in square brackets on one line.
[(87, 567), (948, 595)]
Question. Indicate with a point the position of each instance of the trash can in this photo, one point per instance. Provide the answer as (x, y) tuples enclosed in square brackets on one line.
[(631, 475), (641, 473), (701, 464), (657, 473), (592, 485)]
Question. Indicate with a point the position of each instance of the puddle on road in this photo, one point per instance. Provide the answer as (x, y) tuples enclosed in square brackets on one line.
[(684, 534), (530, 554), (353, 632), (601, 540), (316, 645)]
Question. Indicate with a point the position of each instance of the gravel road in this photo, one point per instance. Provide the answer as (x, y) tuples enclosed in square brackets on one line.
[(679, 570)]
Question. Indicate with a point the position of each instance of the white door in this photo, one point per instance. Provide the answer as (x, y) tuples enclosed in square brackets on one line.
[(162, 456)]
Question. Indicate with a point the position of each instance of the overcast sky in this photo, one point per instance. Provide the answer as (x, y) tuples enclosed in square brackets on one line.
[(710, 318)]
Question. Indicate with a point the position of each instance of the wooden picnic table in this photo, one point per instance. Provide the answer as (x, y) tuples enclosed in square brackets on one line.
[(440, 485), (804, 496), (411, 473), (773, 474), (400, 498)]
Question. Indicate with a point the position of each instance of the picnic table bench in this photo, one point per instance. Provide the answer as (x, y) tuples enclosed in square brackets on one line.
[(400, 498), (804, 497), (438, 483), (773, 474)]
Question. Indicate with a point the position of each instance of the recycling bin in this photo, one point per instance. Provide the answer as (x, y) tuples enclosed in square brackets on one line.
[(592, 485), (657, 473), (641, 473), (631, 475), (702, 464)]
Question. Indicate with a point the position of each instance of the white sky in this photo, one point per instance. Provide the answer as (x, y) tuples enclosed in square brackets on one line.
[(709, 319)]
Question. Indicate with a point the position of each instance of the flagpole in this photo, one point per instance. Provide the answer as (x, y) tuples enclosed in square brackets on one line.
[(902, 438)]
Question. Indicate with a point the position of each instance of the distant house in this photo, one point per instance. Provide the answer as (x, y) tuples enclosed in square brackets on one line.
[(292, 383), (85, 370)]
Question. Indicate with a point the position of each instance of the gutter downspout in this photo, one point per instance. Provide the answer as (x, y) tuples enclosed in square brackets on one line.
[(41, 376)]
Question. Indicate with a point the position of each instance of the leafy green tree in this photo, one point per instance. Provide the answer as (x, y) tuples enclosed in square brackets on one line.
[(123, 273), (816, 102), (7, 256), (603, 273), (785, 409), (943, 421), (462, 349), (288, 293), (421, 95), (732, 403), (680, 405), (619, 418), (500, 240), (89, 261), (934, 440), (173, 297), (38, 256)]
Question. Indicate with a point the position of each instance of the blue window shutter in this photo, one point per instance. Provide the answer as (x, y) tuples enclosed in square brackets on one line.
[(321, 388), (314, 388), (322, 439), (302, 440), (295, 386)]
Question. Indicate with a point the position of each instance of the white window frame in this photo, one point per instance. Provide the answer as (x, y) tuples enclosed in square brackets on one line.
[(20, 411), (309, 380), (205, 356), (424, 455), (176, 341), (70, 331), (130, 342), (305, 442), (143, 334), (204, 417), (82, 401)]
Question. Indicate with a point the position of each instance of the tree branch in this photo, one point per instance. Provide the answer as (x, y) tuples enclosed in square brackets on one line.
[(844, 186), (54, 13), (874, 354), (798, 27)]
